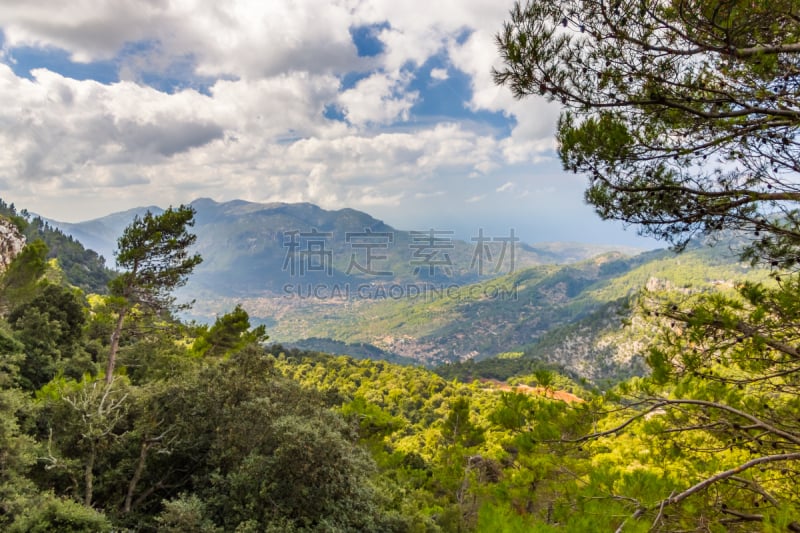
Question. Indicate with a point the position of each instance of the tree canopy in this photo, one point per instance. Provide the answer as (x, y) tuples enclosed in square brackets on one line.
[(154, 251), (229, 332), (683, 113), (684, 116)]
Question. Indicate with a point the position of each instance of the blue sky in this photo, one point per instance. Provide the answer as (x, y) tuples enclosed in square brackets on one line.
[(387, 107)]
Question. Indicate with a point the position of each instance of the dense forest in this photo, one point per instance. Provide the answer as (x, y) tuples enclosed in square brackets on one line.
[(208, 428)]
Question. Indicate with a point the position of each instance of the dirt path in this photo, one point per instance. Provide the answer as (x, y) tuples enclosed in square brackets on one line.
[(564, 396)]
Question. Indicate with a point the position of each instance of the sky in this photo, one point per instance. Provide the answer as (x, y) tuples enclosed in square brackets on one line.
[(384, 106)]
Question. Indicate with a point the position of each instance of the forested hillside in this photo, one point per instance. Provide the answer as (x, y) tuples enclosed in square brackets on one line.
[(602, 331), (199, 428), (569, 315), (202, 428), (82, 267)]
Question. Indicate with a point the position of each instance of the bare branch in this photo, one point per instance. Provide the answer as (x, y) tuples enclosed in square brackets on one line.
[(728, 474)]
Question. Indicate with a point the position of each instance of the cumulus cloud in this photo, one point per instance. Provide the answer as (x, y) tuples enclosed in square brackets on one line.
[(244, 38), (288, 110), (94, 30), (59, 125), (378, 99), (533, 134)]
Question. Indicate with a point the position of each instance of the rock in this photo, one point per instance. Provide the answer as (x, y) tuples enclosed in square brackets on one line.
[(11, 242)]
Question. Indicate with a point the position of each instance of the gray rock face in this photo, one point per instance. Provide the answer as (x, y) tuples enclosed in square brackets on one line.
[(11, 242)]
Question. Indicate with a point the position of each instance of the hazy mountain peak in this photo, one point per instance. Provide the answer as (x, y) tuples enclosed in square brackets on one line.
[(245, 252)]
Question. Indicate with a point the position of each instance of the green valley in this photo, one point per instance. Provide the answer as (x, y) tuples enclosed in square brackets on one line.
[(556, 314), (207, 428), (273, 365)]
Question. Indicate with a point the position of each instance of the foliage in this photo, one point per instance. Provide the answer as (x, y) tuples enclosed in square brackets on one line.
[(203, 429), (301, 441), (359, 350), (230, 332), (684, 116), (18, 454), (154, 251), (730, 365), (83, 268), (10, 212), (50, 513), (683, 113), (50, 328), (185, 513), (18, 282)]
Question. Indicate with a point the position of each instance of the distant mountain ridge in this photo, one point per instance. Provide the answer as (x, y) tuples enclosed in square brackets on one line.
[(563, 305), (101, 234), (262, 248)]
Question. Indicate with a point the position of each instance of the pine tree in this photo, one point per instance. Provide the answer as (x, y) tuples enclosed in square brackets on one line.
[(154, 252)]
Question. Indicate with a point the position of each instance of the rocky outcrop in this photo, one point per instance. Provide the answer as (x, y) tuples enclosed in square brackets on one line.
[(11, 242)]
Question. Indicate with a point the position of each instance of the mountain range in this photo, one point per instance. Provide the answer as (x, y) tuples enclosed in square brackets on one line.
[(253, 249), (301, 271)]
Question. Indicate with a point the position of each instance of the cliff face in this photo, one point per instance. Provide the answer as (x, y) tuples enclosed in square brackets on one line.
[(11, 242)]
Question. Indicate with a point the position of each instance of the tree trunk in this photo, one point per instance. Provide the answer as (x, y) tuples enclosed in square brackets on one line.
[(88, 477), (112, 354), (137, 474)]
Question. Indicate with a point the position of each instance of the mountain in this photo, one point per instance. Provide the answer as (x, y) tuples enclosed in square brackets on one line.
[(583, 318), (101, 234), (606, 341), (563, 305), (274, 249), (301, 271)]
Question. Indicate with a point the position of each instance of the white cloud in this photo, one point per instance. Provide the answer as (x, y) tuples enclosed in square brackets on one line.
[(378, 99), (251, 38), (439, 74), (244, 38), (91, 30), (261, 140), (534, 132), (60, 126), (76, 149)]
